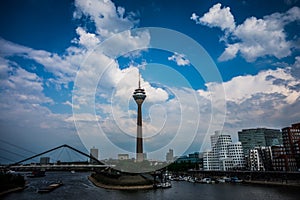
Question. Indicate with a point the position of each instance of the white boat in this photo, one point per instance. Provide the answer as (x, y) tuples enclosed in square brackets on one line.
[(166, 184), (236, 180), (207, 180), (224, 179), (163, 185)]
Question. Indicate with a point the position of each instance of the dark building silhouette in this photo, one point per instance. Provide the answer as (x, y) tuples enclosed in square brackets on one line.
[(291, 142), (139, 96)]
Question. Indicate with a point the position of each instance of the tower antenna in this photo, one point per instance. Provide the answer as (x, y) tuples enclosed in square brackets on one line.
[(139, 80)]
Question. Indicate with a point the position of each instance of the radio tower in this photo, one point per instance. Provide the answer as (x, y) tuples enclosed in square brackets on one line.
[(139, 96)]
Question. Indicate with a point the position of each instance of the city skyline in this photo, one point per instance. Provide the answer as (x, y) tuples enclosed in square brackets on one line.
[(60, 84)]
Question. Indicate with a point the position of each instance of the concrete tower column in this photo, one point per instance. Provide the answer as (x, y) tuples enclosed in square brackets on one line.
[(139, 96)]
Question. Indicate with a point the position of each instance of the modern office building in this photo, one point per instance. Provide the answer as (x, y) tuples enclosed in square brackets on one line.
[(170, 156), (190, 158), (290, 135), (254, 161), (44, 160), (94, 153), (259, 137), (224, 155), (260, 159), (139, 96), (235, 152), (291, 138), (281, 161)]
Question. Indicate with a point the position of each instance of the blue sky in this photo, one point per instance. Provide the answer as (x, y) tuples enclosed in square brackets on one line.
[(68, 70)]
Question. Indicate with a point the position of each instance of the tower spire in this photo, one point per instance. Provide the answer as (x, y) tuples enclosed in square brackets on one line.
[(139, 80)]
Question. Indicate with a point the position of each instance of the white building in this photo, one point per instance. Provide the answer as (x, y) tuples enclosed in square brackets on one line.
[(225, 155), (254, 161), (235, 151), (260, 159)]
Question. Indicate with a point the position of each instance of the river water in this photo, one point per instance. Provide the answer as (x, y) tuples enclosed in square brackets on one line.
[(77, 186)]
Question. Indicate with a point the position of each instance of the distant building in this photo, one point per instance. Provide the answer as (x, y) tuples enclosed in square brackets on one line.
[(235, 152), (94, 153), (281, 161), (224, 155), (291, 138), (254, 161), (259, 137), (144, 156), (260, 159), (170, 156), (191, 158), (44, 160), (123, 156)]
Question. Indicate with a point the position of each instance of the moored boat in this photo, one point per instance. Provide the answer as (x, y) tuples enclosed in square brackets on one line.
[(50, 187)]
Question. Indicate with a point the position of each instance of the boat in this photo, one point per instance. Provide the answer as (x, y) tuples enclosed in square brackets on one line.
[(163, 185), (224, 180), (166, 184), (37, 173), (236, 180), (50, 187), (207, 180)]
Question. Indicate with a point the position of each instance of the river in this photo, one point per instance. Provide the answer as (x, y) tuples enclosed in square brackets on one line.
[(77, 186)]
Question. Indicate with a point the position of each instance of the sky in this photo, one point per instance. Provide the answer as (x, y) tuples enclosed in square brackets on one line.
[(68, 70)]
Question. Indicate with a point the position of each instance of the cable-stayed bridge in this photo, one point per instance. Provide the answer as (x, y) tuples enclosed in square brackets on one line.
[(59, 165)]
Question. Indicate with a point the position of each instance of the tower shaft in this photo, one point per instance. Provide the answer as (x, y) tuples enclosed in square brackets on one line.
[(139, 138)]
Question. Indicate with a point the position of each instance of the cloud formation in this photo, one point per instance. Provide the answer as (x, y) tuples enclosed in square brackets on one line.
[(216, 17), (179, 59), (255, 37)]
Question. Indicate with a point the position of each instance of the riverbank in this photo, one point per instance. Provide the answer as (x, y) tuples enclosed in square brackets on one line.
[(271, 183), (119, 187), (11, 182), (17, 189)]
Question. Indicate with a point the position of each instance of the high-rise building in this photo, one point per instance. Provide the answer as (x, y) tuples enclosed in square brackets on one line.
[(291, 138), (281, 161), (139, 96), (259, 137), (225, 155), (170, 156), (94, 153), (290, 135), (44, 160)]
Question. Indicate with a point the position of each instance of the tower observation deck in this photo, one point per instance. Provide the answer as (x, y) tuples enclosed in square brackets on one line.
[(139, 96)]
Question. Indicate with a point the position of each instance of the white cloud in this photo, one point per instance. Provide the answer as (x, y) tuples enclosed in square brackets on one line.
[(260, 100), (88, 40), (241, 88), (253, 38), (230, 52), (63, 67), (179, 59), (108, 19), (216, 17)]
